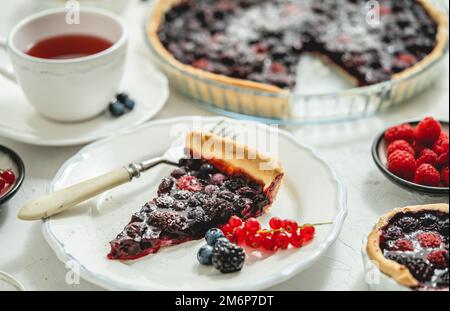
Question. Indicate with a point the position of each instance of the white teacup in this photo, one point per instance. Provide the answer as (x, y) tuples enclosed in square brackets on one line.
[(74, 89)]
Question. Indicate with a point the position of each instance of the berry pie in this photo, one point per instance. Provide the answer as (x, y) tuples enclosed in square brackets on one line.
[(411, 246), (220, 178), (257, 44)]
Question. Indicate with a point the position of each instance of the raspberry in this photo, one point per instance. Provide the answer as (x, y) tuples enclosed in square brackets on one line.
[(429, 240), (402, 164), (443, 159), (439, 258), (189, 183), (419, 147), (428, 130), (399, 132), (442, 144), (427, 156), (444, 176), (400, 145), (427, 175), (403, 245)]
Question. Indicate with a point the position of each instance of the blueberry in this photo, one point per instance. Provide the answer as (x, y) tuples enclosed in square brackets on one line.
[(129, 104), (206, 169), (204, 255), (122, 97), (213, 235), (116, 109)]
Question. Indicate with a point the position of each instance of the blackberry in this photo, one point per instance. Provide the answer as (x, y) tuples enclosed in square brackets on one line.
[(193, 201), (182, 195), (234, 184), (218, 179), (167, 221), (165, 186), (408, 224), (429, 222), (178, 172), (443, 227), (196, 214), (227, 195), (420, 269), (164, 201), (228, 257), (179, 206), (135, 230), (393, 233), (206, 170), (443, 280), (247, 192), (211, 189)]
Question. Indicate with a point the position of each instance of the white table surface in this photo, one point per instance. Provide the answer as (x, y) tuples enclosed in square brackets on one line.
[(25, 254)]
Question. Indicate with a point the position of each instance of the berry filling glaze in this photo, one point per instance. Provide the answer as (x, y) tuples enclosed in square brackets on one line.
[(263, 40), (419, 241), (195, 198)]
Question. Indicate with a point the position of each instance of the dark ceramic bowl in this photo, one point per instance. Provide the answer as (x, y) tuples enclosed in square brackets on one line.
[(379, 155), (11, 160)]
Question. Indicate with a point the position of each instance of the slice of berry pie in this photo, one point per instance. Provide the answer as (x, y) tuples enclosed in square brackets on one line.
[(220, 178), (411, 246)]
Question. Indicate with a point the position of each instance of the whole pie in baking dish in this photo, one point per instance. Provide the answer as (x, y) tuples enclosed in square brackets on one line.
[(219, 179), (411, 246), (257, 44)]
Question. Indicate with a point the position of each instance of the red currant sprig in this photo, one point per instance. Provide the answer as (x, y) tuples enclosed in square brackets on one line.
[(281, 234)]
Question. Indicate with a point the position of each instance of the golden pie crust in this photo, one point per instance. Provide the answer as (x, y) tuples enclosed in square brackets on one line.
[(231, 158), (198, 82), (398, 272)]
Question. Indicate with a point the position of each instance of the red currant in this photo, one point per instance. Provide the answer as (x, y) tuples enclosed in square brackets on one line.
[(9, 177), (276, 223), (268, 242), (2, 184), (227, 229), (235, 222), (241, 234), (308, 238), (308, 231), (252, 225), (254, 240), (231, 237), (290, 226), (281, 240), (296, 240)]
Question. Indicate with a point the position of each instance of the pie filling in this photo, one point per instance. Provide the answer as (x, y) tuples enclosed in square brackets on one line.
[(263, 40), (196, 197), (419, 241)]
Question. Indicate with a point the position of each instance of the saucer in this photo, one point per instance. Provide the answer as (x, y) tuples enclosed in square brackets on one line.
[(20, 121)]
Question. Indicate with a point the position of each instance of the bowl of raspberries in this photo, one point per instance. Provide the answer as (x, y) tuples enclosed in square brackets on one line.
[(415, 155)]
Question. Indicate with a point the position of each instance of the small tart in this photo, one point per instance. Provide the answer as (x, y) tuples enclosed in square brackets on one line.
[(207, 188), (383, 243)]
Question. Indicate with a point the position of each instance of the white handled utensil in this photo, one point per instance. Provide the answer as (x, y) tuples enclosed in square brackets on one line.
[(54, 203)]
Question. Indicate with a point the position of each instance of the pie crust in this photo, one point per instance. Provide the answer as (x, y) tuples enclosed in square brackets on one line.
[(198, 81), (234, 158), (398, 272)]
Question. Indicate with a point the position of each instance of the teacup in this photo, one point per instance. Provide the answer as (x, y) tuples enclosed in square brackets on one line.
[(71, 89)]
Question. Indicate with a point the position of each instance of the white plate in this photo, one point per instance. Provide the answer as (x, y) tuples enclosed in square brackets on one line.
[(19, 121), (311, 193)]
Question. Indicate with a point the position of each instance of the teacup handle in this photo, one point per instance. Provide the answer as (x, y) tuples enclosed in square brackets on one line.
[(3, 70)]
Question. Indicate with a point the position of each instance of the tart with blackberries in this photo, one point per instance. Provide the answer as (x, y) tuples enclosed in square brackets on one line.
[(218, 179), (257, 44), (411, 246)]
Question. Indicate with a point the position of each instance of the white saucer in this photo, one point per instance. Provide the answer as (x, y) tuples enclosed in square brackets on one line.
[(311, 193), (19, 121)]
